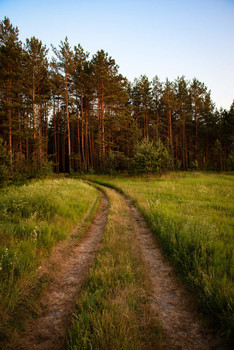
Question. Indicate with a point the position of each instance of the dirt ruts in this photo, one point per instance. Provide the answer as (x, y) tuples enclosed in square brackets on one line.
[(71, 265), (172, 304), (170, 300)]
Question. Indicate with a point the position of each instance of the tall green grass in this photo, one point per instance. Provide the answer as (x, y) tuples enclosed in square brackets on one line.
[(192, 216), (33, 218)]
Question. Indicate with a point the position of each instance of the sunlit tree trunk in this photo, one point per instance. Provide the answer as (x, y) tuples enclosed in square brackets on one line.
[(68, 125), (10, 121)]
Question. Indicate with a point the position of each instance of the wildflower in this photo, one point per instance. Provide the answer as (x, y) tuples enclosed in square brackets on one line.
[(34, 234)]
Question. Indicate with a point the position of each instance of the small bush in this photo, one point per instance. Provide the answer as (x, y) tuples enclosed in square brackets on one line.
[(150, 159), (4, 163)]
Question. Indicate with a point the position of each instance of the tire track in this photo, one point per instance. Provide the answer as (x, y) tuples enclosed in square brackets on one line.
[(170, 300), (48, 331)]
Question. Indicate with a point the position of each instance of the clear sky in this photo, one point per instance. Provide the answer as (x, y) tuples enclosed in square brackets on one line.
[(168, 38)]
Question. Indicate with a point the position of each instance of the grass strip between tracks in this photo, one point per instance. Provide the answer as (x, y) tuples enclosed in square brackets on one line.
[(113, 311)]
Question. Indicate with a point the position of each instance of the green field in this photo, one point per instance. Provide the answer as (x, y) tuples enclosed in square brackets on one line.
[(33, 218), (192, 216)]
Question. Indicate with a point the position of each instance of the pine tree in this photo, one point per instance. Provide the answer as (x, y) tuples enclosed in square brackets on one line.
[(197, 93), (151, 159), (81, 87), (183, 110), (157, 95), (4, 162), (142, 101), (96, 115), (65, 68), (226, 127), (209, 129), (105, 80), (37, 90), (10, 72), (169, 101)]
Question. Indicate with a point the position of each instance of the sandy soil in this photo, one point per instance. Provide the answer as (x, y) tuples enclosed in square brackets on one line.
[(70, 268), (171, 301)]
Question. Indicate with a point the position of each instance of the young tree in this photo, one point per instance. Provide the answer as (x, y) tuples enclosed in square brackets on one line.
[(150, 159), (117, 161), (4, 163)]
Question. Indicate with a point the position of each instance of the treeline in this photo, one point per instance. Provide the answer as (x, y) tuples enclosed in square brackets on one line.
[(81, 114)]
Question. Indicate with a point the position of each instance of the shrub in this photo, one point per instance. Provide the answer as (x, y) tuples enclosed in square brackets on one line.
[(4, 163), (149, 158)]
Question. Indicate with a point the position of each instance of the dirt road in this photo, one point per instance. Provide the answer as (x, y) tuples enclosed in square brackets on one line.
[(169, 299), (47, 331)]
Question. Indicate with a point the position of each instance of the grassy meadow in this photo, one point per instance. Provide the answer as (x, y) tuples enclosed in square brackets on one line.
[(33, 218), (113, 312), (192, 216)]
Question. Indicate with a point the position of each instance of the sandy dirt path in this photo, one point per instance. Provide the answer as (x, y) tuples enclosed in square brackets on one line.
[(170, 300), (71, 265)]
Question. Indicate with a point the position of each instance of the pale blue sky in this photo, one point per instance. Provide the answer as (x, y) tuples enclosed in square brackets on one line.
[(153, 37)]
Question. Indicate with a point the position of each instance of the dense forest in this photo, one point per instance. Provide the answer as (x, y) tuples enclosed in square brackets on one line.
[(72, 113)]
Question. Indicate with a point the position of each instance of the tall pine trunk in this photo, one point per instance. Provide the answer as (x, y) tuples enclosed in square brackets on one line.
[(40, 135), (196, 126), (157, 126), (170, 136), (68, 126), (10, 122), (87, 139), (103, 125), (33, 102), (82, 129)]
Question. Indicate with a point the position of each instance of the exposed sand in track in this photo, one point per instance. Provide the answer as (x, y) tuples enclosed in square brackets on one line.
[(48, 331), (170, 300)]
